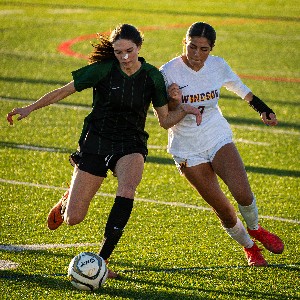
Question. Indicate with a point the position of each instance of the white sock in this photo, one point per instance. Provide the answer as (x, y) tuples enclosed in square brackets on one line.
[(239, 234), (250, 214)]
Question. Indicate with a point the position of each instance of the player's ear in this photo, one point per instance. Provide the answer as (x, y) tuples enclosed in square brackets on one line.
[(184, 45)]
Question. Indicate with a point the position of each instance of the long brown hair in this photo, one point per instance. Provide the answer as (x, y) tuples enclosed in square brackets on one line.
[(104, 48)]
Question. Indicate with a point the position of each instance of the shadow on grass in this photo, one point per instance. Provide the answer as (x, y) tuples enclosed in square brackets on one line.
[(291, 267), (271, 171), (42, 280), (146, 288), (68, 103), (250, 169), (258, 122), (31, 80), (152, 159)]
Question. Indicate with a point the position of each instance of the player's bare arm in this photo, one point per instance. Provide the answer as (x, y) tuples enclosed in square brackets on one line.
[(49, 98), (168, 118)]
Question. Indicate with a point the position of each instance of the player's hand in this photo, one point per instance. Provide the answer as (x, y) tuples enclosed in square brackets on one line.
[(193, 111), (270, 120), (174, 93), (23, 112)]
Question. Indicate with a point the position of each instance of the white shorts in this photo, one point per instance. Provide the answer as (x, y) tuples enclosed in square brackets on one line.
[(200, 158)]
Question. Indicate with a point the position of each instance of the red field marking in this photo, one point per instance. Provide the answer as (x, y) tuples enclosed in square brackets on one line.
[(66, 47), (266, 78)]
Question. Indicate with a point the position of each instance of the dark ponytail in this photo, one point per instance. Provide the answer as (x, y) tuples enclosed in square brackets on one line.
[(103, 50), (201, 29)]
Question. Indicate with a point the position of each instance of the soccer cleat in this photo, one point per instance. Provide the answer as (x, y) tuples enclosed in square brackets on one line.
[(254, 257), (55, 217), (111, 274), (270, 240)]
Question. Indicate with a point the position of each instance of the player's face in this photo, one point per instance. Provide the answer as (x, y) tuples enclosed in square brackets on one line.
[(197, 51), (126, 52)]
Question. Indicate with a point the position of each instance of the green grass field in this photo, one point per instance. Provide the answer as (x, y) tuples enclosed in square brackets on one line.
[(173, 246)]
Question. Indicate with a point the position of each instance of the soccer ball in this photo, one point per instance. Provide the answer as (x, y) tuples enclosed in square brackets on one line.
[(87, 271)]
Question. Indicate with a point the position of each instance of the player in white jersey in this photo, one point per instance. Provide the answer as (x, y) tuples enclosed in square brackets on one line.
[(204, 152)]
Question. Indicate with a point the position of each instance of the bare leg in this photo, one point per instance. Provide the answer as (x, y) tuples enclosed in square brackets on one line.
[(203, 178), (229, 166), (83, 188), (129, 171)]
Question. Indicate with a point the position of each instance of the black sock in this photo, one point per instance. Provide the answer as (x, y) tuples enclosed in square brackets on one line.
[(116, 222)]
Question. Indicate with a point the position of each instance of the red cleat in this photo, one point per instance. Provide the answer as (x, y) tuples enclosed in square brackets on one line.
[(270, 241), (254, 257)]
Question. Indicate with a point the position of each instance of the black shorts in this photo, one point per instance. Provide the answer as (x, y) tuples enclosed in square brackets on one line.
[(97, 164)]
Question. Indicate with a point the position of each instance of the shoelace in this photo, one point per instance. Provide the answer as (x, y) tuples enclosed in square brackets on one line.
[(64, 203)]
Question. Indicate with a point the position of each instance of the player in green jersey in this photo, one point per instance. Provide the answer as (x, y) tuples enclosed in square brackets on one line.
[(113, 135)]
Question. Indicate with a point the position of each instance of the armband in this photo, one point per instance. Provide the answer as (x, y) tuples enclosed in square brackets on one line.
[(259, 106)]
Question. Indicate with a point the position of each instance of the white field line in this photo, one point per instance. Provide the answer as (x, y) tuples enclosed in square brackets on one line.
[(243, 141), (7, 265), (35, 148), (6, 12), (177, 204), (266, 129), (37, 247), (68, 11)]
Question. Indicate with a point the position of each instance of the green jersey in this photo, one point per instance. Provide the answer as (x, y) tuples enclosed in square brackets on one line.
[(120, 104)]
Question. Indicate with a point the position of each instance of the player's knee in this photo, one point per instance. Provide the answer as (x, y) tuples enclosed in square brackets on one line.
[(72, 219), (244, 199), (127, 191)]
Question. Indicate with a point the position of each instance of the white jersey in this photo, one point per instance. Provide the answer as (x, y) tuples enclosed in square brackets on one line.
[(202, 90)]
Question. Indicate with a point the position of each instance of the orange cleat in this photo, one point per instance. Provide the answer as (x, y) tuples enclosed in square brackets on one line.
[(55, 217)]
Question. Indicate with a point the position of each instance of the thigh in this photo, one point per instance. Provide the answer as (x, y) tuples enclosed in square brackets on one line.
[(129, 170), (228, 164), (203, 178), (83, 188)]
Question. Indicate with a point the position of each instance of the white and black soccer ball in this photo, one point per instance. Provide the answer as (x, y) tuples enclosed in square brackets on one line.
[(87, 271)]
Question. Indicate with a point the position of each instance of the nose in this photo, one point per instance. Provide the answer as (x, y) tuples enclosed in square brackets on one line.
[(197, 52), (125, 56)]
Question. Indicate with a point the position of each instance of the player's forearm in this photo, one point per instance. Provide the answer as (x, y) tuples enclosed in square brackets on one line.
[(53, 97), (248, 97), (172, 118), (173, 104)]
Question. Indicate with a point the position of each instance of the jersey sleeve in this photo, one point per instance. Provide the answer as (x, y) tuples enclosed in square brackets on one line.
[(88, 76), (233, 83), (159, 93), (166, 80)]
